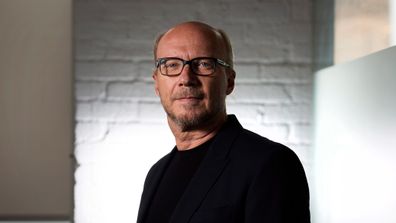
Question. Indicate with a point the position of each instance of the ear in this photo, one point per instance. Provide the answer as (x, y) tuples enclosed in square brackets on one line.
[(230, 81), (155, 83)]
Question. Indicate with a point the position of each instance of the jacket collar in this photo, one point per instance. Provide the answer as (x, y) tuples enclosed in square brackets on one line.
[(207, 174)]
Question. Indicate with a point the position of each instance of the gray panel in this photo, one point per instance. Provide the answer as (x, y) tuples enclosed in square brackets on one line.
[(36, 130), (355, 141)]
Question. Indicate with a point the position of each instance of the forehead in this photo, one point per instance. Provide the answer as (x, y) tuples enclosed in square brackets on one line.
[(190, 41)]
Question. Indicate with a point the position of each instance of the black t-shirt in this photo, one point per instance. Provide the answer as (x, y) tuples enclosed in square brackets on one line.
[(178, 174)]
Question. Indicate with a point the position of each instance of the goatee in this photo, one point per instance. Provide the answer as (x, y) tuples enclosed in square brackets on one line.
[(190, 122)]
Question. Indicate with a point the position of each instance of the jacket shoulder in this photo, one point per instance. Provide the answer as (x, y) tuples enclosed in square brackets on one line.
[(252, 148), (253, 141)]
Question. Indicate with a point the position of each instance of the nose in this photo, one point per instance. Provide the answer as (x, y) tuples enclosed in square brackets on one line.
[(187, 77)]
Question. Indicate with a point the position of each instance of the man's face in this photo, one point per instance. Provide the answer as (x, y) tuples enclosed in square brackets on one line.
[(191, 101)]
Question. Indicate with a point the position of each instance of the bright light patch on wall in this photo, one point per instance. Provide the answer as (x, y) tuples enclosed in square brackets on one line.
[(112, 172), (355, 144)]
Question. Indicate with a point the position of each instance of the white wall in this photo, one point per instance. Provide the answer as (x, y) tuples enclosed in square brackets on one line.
[(121, 129), (355, 145)]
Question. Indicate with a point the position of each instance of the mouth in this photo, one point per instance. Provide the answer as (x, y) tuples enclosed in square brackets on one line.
[(189, 99), (189, 96)]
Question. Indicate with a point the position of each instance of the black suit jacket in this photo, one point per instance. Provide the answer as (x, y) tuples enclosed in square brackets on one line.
[(243, 178)]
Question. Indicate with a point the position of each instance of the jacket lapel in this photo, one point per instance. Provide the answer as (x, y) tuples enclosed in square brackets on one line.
[(208, 172), (151, 184)]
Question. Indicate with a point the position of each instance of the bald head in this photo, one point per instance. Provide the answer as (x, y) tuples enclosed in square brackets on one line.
[(197, 33)]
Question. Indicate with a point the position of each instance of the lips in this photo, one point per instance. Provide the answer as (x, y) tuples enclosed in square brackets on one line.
[(190, 100), (189, 97)]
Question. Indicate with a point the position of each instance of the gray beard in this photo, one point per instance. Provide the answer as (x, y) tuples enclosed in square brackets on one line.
[(190, 123)]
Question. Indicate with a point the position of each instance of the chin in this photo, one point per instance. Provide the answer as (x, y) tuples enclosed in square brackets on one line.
[(191, 120)]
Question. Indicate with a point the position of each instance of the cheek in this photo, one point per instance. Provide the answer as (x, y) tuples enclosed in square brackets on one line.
[(164, 90)]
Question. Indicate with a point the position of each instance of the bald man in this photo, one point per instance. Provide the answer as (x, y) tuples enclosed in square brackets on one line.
[(218, 171)]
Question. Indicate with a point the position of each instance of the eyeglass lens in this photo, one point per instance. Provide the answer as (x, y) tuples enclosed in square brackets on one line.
[(202, 66)]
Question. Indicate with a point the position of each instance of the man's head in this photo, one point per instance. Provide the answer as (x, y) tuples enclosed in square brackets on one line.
[(194, 96)]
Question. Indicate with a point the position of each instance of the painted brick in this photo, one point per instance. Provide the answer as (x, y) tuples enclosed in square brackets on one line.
[(115, 112), (89, 49), (90, 132), (268, 11), (300, 92), (152, 113), (263, 52), (246, 72), (106, 30), (145, 70), (107, 165), (300, 134), (134, 91), (128, 49), (168, 11), (301, 10), (107, 111), (91, 153), (301, 53), (106, 71), (286, 73), (90, 90), (299, 31), (83, 111), (236, 30), (295, 113), (246, 113), (256, 93), (148, 32), (271, 34), (139, 134), (275, 132)]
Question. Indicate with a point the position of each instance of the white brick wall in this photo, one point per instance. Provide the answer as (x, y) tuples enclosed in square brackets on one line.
[(121, 127)]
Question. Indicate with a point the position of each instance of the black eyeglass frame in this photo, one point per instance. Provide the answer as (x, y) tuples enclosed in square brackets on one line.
[(160, 61)]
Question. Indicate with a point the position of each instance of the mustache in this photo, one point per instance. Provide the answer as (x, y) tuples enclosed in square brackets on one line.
[(188, 93)]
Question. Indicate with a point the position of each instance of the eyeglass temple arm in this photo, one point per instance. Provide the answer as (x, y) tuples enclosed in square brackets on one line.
[(222, 63)]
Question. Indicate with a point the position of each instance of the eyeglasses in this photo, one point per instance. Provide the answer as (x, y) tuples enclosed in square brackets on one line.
[(173, 66)]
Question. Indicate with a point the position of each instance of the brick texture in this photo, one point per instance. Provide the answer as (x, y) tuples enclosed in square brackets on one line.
[(121, 127)]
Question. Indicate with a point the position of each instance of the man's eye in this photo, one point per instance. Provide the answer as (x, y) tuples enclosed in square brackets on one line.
[(171, 65), (205, 64)]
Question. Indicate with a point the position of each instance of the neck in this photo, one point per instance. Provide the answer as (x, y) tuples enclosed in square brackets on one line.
[(192, 138)]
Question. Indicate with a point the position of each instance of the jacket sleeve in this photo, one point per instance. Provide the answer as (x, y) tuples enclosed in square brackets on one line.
[(279, 191)]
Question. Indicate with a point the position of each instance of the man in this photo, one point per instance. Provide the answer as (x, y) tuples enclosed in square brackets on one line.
[(218, 171)]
